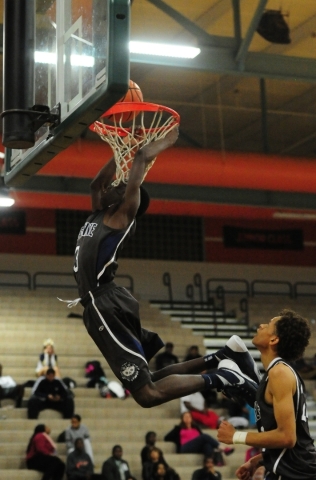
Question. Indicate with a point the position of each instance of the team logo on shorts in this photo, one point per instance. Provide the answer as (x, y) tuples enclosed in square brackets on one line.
[(129, 371)]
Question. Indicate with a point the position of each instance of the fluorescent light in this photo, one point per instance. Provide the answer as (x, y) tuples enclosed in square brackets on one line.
[(75, 60), (6, 201), (45, 57), (163, 49), (146, 48), (295, 215), (82, 60)]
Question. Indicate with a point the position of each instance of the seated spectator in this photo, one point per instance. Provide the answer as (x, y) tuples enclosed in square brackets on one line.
[(50, 392), (79, 464), (196, 405), (41, 454), (252, 452), (208, 471), (115, 468), (47, 359), (163, 472), (155, 457), (150, 441), (78, 430), (306, 371), (189, 439), (166, 358), (193, 353), (238, 414), (10, 389)]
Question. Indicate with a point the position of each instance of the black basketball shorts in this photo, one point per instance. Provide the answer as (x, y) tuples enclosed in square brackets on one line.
[(111, 317)]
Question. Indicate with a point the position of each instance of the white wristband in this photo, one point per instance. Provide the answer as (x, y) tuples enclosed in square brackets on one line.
[(240, 437)]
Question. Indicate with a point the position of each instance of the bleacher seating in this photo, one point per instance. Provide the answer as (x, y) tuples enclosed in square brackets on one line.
[(27, 318)]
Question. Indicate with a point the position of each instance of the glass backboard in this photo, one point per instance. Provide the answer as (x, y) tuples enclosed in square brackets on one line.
[(81, 68)]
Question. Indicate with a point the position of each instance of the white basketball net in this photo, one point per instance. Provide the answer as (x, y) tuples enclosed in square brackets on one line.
[(125, 141)]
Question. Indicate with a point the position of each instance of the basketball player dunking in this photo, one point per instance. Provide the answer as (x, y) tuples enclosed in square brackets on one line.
[(111, 313), (283, 432)]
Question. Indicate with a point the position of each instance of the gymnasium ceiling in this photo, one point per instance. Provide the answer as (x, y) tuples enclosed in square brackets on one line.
[(242, 97)]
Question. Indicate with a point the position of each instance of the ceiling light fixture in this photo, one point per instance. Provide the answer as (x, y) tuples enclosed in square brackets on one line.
[(144, 48), (163, 49), (5, 199)]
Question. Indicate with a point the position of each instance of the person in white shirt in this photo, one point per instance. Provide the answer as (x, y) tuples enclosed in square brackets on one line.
[(196, 405), (77, 430)]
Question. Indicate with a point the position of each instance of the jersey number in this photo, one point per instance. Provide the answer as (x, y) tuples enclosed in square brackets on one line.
[(76, 266)]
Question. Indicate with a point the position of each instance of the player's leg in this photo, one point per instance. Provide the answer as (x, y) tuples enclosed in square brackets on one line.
[(235, 349), (228, 375), (184, 368), (114, 334)]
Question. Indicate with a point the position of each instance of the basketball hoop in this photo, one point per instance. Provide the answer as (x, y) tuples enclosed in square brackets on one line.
[(126, 140)]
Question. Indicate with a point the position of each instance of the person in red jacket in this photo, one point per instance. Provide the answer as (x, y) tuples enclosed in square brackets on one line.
[(41, 454)]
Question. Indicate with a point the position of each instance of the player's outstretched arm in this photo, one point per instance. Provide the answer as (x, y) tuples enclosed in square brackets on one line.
[(280, 390), (142, 157), (100, 182)]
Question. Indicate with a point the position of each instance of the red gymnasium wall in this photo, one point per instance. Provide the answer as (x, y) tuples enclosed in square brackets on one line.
[(215, 250), (40, 239)]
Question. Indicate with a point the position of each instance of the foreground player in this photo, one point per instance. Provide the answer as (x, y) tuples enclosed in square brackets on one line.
[(111, 313), (283, 432)]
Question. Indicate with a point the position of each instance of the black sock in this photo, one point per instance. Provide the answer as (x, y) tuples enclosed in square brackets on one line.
[(212, 360), (212, 380)]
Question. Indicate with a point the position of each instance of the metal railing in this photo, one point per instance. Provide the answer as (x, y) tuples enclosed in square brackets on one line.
[(15, 281)]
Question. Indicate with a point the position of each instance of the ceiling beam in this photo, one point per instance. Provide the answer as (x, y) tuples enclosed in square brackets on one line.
[(201, 35), (237, 21), (244, 47), (221, 60)]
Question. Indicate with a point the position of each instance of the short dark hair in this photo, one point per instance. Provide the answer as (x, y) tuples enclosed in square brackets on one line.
[(79, 439), (148, 435), (294, 333), (208, 457), (49, 371), (77, 417), (169, 345), (115, 447)]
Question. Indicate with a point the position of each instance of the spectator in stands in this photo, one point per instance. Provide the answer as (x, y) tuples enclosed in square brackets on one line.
[(150, 441), (163, 472), (306, 371), (189, 439), (252, 452), (10, 389), (196, 405), (208, 471), (115, 468), (78, 430), (41, 454), (50, 392), (193, 353), (155, 457), (47, 359), (79, 464), (167, 357), (238, 414)]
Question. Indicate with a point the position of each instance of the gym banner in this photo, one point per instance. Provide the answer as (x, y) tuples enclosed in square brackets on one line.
[(236, 237), (12, 222)]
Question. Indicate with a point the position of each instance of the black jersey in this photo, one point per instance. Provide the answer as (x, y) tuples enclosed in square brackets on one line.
[(299, 462), (96, 252)]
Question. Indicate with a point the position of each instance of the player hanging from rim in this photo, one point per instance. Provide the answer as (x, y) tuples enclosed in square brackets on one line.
[(283, 431), (111, 313)]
